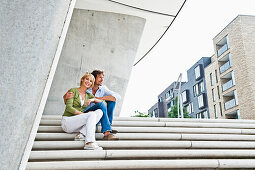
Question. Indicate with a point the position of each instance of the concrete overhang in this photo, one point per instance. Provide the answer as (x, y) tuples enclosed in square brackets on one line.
[(158, 14)]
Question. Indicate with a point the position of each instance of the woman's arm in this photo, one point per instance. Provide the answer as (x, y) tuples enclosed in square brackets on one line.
[(93, 100), (69, 105)]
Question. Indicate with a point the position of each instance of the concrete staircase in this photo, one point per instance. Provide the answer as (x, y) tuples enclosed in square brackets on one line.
[(149, 143)]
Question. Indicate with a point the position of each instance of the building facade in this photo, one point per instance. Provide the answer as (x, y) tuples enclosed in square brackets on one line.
[(165, 101), (230, 77), (193, 92), (154, 110)]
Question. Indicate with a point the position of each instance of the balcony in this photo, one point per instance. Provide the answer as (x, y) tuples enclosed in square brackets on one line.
[(222, 49), (227, 85), (230, 104), (225, 67)]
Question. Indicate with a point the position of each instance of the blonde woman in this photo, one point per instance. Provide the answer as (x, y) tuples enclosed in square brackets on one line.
[(74, 120)]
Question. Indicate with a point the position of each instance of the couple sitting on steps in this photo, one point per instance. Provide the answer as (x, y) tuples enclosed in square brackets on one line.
[(87, 105)]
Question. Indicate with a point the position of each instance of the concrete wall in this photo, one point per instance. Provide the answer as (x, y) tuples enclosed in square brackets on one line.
[(29, 35), (101, 40)]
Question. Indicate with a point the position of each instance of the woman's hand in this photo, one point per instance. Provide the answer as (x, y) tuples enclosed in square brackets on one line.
[(77, 112), (87, 102)]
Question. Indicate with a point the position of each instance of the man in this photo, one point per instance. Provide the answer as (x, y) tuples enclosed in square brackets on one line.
[(103, 93)]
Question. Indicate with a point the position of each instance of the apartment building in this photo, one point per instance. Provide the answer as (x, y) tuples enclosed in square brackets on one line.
[(165, 101), (154, 110), (193, 92), (230, 78)]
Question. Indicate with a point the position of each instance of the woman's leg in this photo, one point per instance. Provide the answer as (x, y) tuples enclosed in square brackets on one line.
[(89, 129), (74, 123)]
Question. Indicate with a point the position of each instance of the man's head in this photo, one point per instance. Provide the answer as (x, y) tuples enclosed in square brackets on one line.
[(99, 77)]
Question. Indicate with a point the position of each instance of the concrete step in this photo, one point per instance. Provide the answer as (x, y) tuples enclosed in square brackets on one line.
[(140, 154), (149, 143), (152, 136), (161, 130), (165, 124), (144, 164), (58, 117), (159, 144)]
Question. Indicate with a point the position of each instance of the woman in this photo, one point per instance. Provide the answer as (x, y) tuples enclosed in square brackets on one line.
[(74, 120)]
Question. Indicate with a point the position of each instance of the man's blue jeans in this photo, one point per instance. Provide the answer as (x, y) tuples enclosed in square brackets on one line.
[(107, 117)]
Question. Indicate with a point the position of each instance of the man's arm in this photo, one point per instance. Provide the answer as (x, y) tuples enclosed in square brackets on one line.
[(107, 98), (109, 95)]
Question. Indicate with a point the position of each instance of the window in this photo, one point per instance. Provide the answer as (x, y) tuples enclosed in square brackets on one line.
[(216, 76), (171, 91), (198, 88), (220, 109), (205, 114), (155, 113), (215, 111), (218, 89), (167, 95), (185, 96), (160, 99), (213, 95), (211, 79), (168, 107), (202, 115), (172, 102), (189, 108), (198, 72), (194, 91), (200, 99)]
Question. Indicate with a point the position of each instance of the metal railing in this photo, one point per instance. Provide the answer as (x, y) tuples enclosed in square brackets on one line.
[(222, 49), (230, 104), (227, 85), (225, 67)]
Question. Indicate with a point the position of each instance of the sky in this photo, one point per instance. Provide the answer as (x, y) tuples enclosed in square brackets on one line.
[(188, 39)]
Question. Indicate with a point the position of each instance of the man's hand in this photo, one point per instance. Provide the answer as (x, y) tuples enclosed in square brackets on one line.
[(68, 95)]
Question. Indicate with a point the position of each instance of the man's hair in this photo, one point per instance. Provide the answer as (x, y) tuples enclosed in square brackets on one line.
[(97, 72)]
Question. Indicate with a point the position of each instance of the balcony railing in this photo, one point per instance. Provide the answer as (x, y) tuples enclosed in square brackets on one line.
[(225, 67), (230, 104), (222, 49), (227, 85)]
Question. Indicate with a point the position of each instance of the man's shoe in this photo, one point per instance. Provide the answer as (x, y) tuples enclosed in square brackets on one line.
[(114, 131), (79, 137), (110, 137), (92, 146)]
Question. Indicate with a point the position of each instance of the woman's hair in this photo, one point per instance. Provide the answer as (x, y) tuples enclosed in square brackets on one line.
[(87, 75)]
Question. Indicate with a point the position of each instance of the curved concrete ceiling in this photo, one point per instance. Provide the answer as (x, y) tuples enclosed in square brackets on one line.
[(159, 16)]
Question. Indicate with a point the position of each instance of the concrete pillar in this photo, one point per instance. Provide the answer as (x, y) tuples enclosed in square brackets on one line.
[(29, 35), (96, 40)]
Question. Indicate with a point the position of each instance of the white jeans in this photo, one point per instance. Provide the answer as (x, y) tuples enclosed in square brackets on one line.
[(84, 123)]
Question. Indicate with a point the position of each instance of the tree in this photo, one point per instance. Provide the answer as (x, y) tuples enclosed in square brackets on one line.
[(140, 114), (174, 111)]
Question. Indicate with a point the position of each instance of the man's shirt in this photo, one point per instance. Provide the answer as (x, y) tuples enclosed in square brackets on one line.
[(104, 91)]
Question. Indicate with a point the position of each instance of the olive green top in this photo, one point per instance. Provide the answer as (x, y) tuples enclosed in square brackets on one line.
[(75, 103)]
